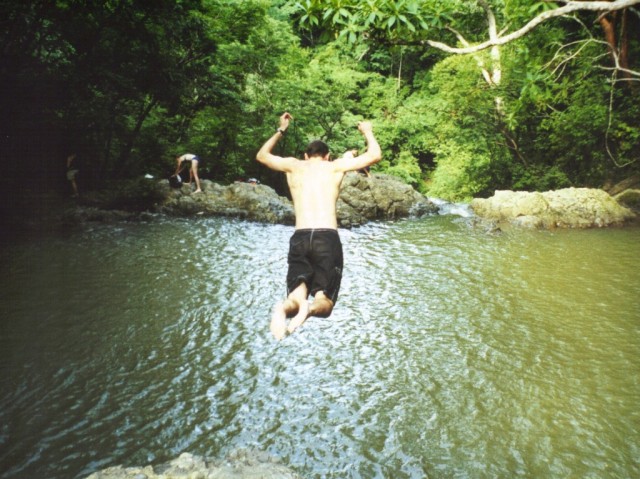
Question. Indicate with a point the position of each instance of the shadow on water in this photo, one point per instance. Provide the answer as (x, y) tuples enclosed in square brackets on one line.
[(451, 352)]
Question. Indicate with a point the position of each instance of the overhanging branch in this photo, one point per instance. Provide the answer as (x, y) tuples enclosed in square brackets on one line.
[(569, 7)]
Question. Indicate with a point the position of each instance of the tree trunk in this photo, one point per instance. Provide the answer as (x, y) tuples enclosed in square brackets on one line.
[(615, 26), (133, 136)]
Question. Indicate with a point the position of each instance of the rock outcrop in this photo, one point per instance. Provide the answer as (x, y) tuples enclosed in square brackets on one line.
[(380, 197), (239, 465), (362, 199), (566, 208), (240, 200)]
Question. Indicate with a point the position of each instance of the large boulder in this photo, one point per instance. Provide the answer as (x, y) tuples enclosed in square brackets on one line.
[(566, 208), (380, 197), (242, 200)]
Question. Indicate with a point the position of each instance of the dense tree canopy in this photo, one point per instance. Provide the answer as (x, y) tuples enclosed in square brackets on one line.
[(542, 98)]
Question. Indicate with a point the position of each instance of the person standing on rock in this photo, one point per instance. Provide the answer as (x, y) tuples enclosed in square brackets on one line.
[(193, 171), (315, 251), (73, 170)]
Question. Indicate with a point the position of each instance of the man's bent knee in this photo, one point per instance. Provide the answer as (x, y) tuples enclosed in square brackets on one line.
[(321, 306)]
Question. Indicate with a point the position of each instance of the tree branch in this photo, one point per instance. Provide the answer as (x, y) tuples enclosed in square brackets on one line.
[(569, 7)]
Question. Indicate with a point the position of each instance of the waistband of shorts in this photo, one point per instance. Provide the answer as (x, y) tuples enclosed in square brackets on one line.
[(316, 230)]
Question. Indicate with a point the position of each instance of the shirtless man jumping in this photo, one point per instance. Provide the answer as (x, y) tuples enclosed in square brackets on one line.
[(315, 251)]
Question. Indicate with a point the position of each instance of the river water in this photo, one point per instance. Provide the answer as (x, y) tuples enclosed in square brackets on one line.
[(452, 352)]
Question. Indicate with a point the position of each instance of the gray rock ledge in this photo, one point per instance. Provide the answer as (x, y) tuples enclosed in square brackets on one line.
[(362, 199)]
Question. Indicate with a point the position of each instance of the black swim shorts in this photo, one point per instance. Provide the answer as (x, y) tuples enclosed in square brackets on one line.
[(315, 258)]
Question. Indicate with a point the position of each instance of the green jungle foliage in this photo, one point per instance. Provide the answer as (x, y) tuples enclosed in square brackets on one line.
[(130, 85)]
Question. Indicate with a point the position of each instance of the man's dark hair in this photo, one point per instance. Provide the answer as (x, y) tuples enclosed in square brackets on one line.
[(317, 148)]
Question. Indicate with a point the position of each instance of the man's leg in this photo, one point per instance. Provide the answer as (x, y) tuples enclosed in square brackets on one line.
[(74, 186), (295, 304), (194, 173), (327, 272), (299, 296), (321, 306)]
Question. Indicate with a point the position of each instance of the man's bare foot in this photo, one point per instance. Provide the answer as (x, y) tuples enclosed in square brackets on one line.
[(279, 321), (197, 191), (298, 319)]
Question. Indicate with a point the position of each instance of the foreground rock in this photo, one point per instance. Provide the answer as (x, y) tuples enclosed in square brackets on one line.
[(239, 465), (566, 208)]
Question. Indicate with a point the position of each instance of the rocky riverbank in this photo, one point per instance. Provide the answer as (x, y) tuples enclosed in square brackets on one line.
[(361, 200)]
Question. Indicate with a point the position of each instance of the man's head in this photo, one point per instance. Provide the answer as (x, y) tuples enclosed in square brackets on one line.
[(316, 148)]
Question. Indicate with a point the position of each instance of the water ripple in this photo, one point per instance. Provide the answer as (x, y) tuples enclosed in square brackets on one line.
[(450, 353)]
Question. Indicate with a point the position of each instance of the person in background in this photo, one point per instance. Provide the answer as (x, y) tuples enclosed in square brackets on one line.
[(73, 170), (352, 154), (193, 170), (315, 251)]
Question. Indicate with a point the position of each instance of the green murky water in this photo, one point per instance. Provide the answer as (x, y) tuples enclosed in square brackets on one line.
[(451, 352)]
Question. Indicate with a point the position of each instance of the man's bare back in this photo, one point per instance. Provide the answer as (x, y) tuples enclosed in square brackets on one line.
[(315, 185)]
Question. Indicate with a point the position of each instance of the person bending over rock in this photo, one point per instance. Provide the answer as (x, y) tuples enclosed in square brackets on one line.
[(193, 171)]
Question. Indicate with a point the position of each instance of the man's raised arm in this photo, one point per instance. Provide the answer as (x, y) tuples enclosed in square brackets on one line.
[(369, 157), (267, 158)]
